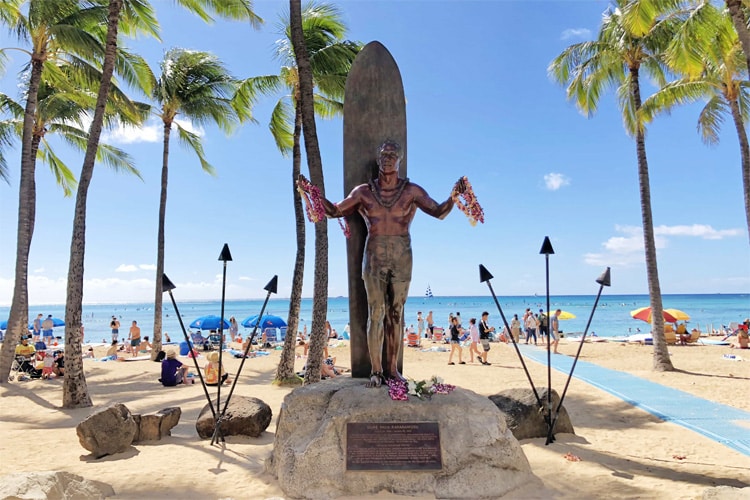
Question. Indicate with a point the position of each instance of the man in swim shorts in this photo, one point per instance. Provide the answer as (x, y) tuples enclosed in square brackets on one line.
[(388, 205)]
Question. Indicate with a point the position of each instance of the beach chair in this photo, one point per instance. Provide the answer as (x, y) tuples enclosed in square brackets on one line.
[(412, 339), (438, 334), (23, 367), (282, 334), (669, 335)]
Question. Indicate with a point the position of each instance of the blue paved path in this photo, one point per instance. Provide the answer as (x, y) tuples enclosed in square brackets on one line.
[(714, 420)]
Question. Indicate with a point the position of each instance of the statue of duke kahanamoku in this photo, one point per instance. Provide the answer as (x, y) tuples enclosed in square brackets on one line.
[(388, 204)]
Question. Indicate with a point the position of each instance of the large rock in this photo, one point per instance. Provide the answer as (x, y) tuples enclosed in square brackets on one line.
[(245, 416), (154, 426), (52, 485), (480, 457), (523, 415), (107, 431)]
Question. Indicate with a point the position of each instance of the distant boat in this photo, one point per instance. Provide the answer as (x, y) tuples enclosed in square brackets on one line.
[(428, 293)]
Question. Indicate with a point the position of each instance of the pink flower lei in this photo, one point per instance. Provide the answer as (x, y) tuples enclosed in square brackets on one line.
[(314, 205), (468, 204)]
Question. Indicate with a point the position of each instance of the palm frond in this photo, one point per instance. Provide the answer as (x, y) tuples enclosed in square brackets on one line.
[(710, 119), (193, 141), (63, 175), (236, 10)]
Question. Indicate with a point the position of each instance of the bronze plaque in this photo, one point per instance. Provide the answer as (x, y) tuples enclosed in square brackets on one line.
[(393, 446)]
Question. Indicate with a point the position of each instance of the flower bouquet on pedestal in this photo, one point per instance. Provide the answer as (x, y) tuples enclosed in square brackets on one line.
[(400, 390)]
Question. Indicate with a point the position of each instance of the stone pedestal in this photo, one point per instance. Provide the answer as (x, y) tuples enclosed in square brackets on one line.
[(480, 456)]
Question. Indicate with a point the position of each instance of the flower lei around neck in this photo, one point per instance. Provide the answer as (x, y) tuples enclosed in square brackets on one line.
[(468, 204), (314, 205), (399, 390)]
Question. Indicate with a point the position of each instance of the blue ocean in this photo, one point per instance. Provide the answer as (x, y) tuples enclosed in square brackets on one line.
[(610, 319)]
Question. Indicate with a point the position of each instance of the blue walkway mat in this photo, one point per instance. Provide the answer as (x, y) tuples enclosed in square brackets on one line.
[(714, 420)]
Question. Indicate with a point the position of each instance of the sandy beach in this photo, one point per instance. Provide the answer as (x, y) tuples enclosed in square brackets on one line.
[(625, 452)]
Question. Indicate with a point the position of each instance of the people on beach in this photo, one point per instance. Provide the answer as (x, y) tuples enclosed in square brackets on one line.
[(135, 338), (555, 332), (530, 324), (114, 325), (48, 329), (59, 367), (430, 323), (234, 329), (37, 327), (741, 340), (455, 343), (145, 346), (173, 372), (214, 370), (48, 366), (515, 328), (388, 205), (25, 354), (485, 330), (420, 324), (474, 336)]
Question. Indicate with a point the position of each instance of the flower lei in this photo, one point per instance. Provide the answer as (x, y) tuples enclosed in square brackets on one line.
[(314, 205), (399, 390), (468, 204)]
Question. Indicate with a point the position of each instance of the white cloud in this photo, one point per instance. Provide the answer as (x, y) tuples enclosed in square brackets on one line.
[(147, 267), (39, 270), (554, 181), (126, 268), (246, 278), (629, 249), (575, 33), (151, 131)]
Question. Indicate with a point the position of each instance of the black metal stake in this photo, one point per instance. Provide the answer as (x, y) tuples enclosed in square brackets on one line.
[(603, 280), (546, 251), (225, 256), (271, 287), (484, 277), (168, 286)]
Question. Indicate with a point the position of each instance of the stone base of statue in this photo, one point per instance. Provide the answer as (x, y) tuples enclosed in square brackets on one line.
[(338, 438)]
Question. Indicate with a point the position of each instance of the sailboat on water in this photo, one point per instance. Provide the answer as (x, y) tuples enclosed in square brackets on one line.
[(428, 293)]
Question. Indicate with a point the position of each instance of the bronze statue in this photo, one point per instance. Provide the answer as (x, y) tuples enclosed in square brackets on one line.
[(388, 205)]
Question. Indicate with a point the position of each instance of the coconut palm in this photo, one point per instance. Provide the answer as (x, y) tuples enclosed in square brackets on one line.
[(331, 58), (196, 86), (719, 78), (62, 35), (631, 39)]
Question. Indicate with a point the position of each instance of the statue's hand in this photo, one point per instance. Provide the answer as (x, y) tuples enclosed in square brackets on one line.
[(460, 186), (302, 180)]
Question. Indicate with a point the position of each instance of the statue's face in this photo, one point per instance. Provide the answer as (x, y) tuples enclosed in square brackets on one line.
[(389, 159)]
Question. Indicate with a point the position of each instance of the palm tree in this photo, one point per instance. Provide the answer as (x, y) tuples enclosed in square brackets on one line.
[(62, 34), (137, 15), (631, 39), (720, 79), (196, 86), (314, 163), (331, 58)]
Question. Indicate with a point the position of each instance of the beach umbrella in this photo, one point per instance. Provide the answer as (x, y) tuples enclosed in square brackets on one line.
[(670, 315), (209, 322), (266, 321), (563, 314), (4, 325), (55, 322)]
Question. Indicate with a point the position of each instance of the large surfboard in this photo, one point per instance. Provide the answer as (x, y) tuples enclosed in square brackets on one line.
[(374, 110)]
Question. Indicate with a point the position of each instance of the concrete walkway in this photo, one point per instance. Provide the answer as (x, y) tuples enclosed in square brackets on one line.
[(714, 420)]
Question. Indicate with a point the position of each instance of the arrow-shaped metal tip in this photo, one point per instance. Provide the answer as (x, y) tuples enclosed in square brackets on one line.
[(484, 274), (546, 247), (272, 285), (604, 278), (225, 255), (166, 284)]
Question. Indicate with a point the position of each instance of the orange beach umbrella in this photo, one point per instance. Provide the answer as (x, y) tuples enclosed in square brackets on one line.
[(670, 315)]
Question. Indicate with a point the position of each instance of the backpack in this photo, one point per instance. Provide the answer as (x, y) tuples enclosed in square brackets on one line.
[(543, 319)]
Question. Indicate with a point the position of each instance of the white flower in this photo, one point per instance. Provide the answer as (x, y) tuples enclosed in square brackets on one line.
[(412, 387)]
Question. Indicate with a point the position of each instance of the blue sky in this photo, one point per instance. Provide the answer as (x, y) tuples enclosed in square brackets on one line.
[(480, 104)]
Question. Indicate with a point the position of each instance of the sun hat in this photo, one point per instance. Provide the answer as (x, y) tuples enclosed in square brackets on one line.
[(171, 355)]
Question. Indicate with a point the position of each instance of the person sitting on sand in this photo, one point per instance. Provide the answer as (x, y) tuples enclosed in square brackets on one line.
[(213, 368), (145, 346), (682, 333), (173, 372), (59, 368), (741, 340)]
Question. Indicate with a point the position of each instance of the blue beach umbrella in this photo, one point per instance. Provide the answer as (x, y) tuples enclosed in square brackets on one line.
[(55, 322), (267, 321), (210, 322), (4, 325)]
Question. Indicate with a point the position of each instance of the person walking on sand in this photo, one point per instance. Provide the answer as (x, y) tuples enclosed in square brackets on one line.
[(234, 330), (37, 327), (542, 324), (515, 328), (456, 343), (555, 332), (420, 325), (388, 205), (485, 330), (47, 329), (474, 335), (135, 338)]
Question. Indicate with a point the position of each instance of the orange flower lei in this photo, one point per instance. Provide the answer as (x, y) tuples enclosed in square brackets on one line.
[(468, 204)]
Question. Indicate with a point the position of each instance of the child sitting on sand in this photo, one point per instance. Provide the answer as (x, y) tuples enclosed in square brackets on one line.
[(213, 368)]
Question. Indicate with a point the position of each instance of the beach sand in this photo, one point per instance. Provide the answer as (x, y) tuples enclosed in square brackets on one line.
[(625, 452)]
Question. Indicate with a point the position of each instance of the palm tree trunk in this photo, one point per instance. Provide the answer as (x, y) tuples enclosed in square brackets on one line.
[(745, 155), (318, 336), (661, 353), (75, 390), (18, 321), (159, 295), (285, 374)]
